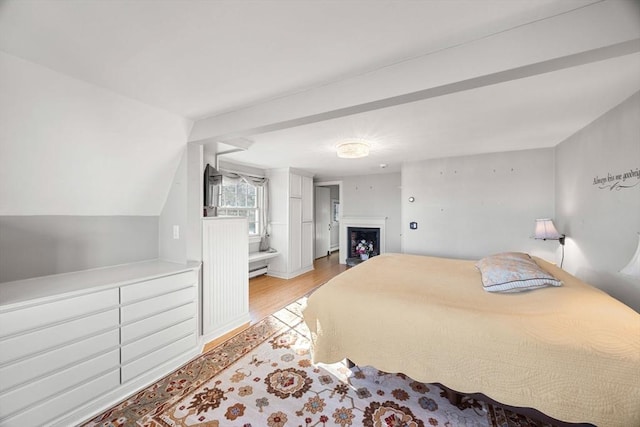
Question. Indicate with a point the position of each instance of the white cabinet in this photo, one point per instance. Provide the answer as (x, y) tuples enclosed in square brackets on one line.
[(307, 199), (291, 193), (225, 278), (295, 185), (158, 320), (76, 349), (71, 344), (307, 243), (295, 234)]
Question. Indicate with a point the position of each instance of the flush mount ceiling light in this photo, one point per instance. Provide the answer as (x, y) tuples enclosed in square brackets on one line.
[(352, 149)]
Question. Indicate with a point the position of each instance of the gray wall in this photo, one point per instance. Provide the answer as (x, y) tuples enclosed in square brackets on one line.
[(32, 246), (472, 206), (601, 224), (375, 196)]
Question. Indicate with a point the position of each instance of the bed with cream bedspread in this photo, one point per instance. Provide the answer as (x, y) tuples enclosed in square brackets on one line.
[(571, 352)]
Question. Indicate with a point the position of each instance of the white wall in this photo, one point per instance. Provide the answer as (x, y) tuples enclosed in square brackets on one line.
[(375, 196), (70, 148), (174, 213), (84, 172), (473, 206), (601, 223)]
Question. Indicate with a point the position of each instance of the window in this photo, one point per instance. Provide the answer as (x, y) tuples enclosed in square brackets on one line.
[(239, 198)]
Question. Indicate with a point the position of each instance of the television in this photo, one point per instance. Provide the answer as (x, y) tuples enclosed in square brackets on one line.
[(212, 185)]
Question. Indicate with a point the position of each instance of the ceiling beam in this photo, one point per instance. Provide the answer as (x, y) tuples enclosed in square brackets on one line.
[(522, 52)]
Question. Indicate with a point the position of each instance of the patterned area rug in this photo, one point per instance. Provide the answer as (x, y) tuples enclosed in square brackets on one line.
[(264, 377)]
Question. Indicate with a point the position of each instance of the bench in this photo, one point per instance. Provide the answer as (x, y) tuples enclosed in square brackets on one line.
[(255, 257)]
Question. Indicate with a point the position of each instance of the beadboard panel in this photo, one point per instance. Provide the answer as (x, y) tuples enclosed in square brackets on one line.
[(225, 293)]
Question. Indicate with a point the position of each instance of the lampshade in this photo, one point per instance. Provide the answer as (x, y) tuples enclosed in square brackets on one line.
[(352, 149), (545, 230), (633, 268)]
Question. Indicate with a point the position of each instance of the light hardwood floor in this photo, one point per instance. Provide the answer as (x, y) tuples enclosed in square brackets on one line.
[(269, 294)]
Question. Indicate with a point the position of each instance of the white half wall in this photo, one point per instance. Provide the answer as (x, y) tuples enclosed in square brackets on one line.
[(473, 206)]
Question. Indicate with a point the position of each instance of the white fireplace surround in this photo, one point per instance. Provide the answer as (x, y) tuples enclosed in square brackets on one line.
[(356, 221)]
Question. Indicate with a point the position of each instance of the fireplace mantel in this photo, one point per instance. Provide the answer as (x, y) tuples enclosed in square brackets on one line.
[(356, 221)]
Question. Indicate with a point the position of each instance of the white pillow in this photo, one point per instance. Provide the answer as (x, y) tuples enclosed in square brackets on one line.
[(513, 272)]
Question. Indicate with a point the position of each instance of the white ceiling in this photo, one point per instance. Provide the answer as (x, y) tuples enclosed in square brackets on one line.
[(220, 59), (537, 112)]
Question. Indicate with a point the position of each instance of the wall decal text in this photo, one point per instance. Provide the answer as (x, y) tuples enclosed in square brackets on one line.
[(618, 181)]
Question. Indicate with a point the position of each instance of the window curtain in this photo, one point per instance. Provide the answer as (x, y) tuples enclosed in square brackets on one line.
[(264, 212)]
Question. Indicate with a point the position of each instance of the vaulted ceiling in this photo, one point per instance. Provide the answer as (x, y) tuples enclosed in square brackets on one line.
[(418, 79)]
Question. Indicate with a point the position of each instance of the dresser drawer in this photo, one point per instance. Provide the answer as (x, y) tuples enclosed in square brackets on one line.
[(159, 304), (37, 316), (157, 341), (158, 357), (159, 286), (45, 388), (25, 370), (149, 325), (43, 339), (60, 405)]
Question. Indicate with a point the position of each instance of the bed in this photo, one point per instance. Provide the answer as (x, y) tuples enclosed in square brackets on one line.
[(572, 352)]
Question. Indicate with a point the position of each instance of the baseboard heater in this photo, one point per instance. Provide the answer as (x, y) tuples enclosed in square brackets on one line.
[(257, 271)]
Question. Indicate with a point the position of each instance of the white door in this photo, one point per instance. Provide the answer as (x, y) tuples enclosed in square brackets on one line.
[(323, 221)]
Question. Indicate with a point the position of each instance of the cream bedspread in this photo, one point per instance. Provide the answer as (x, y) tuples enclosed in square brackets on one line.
[(571, 352)]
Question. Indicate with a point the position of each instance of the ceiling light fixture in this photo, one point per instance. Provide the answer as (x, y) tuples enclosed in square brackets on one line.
[(352, 149)]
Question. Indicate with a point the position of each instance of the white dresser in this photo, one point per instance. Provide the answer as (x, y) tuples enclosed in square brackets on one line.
[(73, 344)]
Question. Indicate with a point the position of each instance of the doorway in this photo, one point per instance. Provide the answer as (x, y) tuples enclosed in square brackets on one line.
[(328, 198)]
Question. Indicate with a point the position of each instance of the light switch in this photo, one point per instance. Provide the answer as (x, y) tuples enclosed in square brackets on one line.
[(176, 231)]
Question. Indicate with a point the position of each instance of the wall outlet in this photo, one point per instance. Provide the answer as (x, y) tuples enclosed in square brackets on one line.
[(176, 231)]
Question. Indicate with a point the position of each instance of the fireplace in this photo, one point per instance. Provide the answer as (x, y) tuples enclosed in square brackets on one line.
[(366, 224), (368, 234)]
